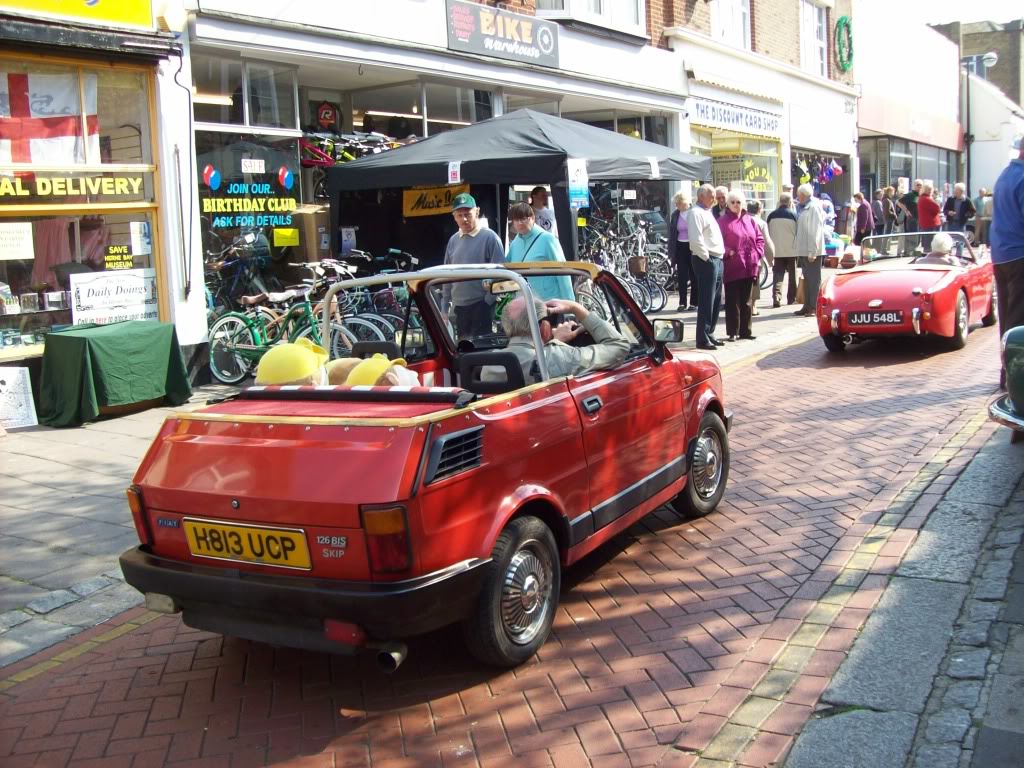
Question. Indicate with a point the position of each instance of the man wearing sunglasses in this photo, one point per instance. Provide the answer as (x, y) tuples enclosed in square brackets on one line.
[(608, 350)]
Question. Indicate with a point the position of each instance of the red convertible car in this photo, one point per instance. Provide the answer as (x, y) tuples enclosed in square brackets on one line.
[(900, 289), (336, 518)]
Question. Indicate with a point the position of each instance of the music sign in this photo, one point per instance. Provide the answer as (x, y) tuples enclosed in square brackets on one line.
[(475, 28)]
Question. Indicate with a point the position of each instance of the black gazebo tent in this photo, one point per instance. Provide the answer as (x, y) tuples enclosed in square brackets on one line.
[(522, 147)]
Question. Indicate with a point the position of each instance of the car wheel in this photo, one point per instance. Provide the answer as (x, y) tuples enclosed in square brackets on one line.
[(834, 343), (961, 322), (516, 607), (990, 319), (709, 470)]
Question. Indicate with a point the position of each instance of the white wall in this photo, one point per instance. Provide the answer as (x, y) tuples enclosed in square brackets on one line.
[(995, 120)]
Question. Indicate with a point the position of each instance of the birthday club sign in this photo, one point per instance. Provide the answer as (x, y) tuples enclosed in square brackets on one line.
[(236, 204)]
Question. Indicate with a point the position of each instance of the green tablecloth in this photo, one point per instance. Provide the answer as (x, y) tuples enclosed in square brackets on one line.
[(87, 367)]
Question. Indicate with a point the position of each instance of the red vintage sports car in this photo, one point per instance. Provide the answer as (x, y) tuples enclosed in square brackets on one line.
[(900, 289), (336, 518)]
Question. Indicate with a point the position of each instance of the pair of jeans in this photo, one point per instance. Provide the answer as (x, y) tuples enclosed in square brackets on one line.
[(685, 277), (926, 240), (709, 296), (474, 320), (783, 267), (811, 269), (737, 307)]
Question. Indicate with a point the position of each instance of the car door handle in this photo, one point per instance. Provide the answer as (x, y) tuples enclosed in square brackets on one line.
[(687, 379), (592, 404)]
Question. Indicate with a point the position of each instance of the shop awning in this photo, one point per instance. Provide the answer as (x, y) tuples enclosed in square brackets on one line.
[(719, 81), (522, 147)]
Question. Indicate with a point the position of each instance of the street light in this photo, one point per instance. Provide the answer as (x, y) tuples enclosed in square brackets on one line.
[(989, 59)]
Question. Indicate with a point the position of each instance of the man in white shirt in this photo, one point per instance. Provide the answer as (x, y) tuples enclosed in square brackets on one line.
[(543, 215), (706, 249)]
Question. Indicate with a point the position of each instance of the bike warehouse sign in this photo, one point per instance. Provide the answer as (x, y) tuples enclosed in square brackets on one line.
[(475, 28)]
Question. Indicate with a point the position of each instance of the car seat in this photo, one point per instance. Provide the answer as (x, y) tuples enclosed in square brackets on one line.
[(471, 364)]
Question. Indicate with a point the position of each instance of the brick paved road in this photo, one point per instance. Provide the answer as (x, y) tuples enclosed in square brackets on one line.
[(661, 636)]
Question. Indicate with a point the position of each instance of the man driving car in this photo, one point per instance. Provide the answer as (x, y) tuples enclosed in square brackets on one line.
[(608, 350)]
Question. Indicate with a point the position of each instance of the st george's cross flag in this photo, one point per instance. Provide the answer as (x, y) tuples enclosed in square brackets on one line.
[(41, 118)]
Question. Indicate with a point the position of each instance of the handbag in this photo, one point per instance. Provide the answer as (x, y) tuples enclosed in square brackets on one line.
[(801, 298)]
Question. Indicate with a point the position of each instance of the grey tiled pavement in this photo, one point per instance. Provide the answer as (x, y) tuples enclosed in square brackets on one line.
[(64, 522)]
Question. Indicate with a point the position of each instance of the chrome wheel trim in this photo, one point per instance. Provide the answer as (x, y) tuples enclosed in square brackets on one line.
[(706, 472), (961, 315), (526, 593)]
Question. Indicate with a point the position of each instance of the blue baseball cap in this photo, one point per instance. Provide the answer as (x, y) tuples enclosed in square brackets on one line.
[(465, 200)]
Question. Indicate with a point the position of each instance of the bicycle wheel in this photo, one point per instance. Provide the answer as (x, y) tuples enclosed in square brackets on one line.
[(764, 274), (342, 340), (379, 322), (640, 294), (227, 363), (591, 302), (659, 296)]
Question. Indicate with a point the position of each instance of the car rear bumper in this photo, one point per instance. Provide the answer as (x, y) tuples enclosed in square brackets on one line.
[(1001, 410), (290, 610)]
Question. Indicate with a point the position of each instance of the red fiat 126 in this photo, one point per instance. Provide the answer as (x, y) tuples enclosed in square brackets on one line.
[(337, 517)]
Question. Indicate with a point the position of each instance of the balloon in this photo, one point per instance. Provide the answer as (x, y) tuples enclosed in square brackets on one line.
[(285, 177), (211, 177)]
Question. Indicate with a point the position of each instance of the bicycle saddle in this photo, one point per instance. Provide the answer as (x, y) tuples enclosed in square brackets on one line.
[(283, 296), (251, 301)]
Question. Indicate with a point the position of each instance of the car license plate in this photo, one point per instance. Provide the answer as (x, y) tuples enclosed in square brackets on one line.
[(281, 547), (890, 317)]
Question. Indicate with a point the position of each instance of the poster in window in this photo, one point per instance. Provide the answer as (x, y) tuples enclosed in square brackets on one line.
[(16, 406), (16, 241), (113, 296)]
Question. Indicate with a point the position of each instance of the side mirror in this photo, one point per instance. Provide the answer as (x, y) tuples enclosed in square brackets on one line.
[(668, 331)]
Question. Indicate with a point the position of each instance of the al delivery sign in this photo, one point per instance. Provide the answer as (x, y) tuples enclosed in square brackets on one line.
[(476, 28), (120, 13)]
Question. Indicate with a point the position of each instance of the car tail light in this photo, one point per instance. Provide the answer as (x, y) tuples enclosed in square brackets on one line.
[(138, 510), (387, 538)]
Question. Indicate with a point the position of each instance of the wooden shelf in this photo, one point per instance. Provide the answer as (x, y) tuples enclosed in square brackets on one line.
[(21, 352)]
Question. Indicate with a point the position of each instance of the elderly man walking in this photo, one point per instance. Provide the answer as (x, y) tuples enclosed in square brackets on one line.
[(1007, 240), (782, 229), (706, 249), (810, 246)]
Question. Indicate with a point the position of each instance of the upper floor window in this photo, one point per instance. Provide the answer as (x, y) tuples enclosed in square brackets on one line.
[(813, 38), (623, 15), (730, 22)]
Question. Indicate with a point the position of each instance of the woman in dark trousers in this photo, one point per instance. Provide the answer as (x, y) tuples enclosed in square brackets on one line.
[(679, 251)]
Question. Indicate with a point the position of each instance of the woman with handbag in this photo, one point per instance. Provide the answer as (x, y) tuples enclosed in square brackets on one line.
[(535, 244), (679, 252), (744, 247)]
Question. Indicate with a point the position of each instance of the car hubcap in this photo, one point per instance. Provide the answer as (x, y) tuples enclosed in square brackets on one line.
[(525, 597), (707, 464)]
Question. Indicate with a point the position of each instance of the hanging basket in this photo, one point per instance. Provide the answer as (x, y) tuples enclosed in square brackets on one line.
[(844, 44), (637, 265)]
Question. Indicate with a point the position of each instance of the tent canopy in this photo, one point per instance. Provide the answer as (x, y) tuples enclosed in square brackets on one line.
[(522, 147)]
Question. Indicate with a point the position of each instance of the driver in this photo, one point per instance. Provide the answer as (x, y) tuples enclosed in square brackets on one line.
[(942, 244), (608, 350)]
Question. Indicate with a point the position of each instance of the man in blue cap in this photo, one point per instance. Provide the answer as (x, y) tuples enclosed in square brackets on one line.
[(472, 244)]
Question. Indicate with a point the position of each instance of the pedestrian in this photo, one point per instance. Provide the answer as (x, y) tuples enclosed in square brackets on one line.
[(679, 252), (782, 228), (473, 244), (929, 215), (1006, 236), (543, 215), (532, 243), (878, 211), (979, 201), (706, 248), (720, 193), (828, 210), (908, 204), (958, 208), (810, 247), (744, 247), (865, 219), (754, 208), (889, 214)]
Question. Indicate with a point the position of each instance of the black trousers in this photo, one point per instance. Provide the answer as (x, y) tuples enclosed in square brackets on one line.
[(474, 320), (1010, 294), (781, 268), (737, 307), (685, 278)]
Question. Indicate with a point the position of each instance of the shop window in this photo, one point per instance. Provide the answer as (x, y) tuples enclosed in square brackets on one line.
[(514, 101), (928, 164), (450, 107), (394, 111), (656, 130), (271, 96), (217, 90), (730, 22), (624, 15), (813, 38)]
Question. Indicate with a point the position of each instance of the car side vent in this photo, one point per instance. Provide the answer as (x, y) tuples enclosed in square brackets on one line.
[(454, 453)]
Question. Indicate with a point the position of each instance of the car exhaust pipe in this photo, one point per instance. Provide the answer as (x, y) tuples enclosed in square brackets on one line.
[(847, 338), (391, 655)]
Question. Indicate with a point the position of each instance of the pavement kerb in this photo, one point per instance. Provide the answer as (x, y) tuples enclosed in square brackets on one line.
[(77, 647), (862, 577)]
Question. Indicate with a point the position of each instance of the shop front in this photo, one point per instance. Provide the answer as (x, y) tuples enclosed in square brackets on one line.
[(80, 200), (277, 103)]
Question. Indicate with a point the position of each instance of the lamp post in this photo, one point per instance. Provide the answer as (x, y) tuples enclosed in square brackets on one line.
[(987, 60)]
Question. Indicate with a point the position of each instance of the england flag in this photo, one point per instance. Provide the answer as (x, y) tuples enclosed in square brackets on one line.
[(41, 119)]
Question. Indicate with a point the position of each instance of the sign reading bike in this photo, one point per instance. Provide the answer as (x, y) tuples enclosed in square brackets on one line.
[(475, 28)]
